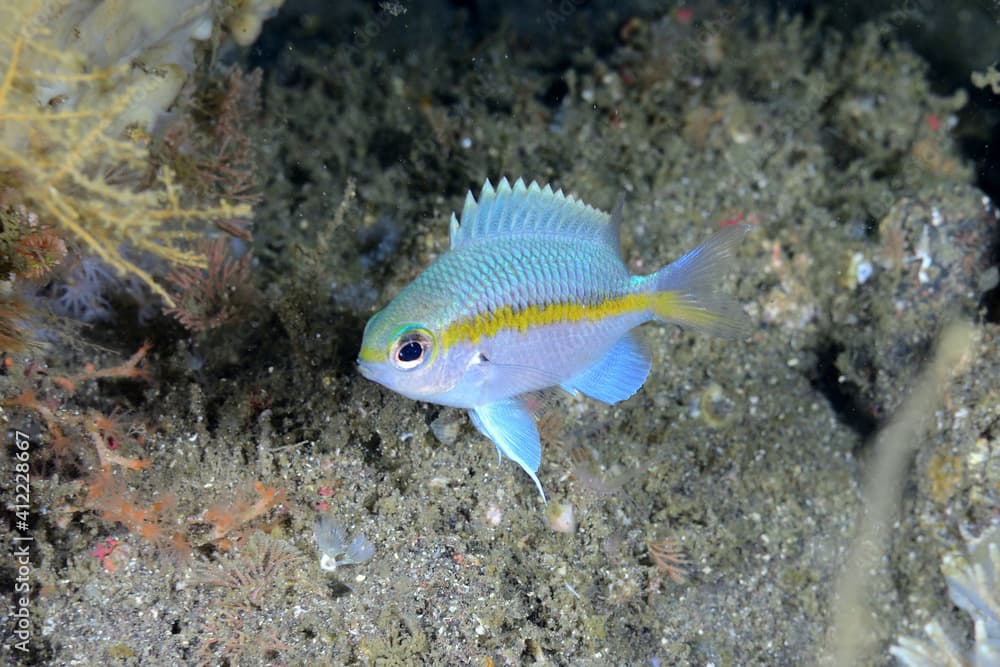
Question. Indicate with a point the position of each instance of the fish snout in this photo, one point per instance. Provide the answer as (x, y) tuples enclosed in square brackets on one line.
[(365, 369)]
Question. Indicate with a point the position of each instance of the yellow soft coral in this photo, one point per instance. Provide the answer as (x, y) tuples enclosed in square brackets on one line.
[(82, 85)]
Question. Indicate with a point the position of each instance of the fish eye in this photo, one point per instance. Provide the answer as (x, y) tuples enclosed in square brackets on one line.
[(411, 349)]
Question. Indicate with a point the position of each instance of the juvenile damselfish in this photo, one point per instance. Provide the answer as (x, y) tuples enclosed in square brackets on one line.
[(533, 294)]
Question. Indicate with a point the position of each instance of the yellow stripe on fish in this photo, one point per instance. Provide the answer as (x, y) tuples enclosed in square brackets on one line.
[(664, 305)]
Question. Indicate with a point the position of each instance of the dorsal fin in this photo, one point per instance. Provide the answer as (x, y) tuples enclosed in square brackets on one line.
[(529, 211)]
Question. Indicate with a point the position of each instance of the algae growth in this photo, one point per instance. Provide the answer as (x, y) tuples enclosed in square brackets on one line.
[(711, 513)]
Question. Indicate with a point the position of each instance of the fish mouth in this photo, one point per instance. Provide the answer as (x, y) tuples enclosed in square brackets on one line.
[(365, 369)]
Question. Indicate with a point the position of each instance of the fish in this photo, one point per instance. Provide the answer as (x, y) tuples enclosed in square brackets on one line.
[(532, 295)]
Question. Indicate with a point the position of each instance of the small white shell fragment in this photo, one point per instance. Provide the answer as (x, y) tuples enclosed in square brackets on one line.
[(862, 268), (561, 518)]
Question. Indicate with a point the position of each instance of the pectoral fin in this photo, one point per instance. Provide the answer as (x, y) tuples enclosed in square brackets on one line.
[(618, 375), (511, 427)]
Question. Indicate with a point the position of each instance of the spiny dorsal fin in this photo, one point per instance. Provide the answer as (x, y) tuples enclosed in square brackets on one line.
[(529, 211)]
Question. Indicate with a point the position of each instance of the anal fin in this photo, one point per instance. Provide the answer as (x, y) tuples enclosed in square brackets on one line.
[(617, 376), (511, 427)]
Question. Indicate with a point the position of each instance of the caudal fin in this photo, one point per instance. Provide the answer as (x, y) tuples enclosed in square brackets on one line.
[(685, 292)]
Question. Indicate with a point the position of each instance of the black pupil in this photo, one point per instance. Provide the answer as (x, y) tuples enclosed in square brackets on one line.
[(411, 351)]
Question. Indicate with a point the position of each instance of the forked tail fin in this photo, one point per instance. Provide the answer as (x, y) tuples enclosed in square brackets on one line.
[(684, 292)]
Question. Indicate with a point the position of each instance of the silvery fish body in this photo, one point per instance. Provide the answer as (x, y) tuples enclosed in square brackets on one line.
[(533, 294)]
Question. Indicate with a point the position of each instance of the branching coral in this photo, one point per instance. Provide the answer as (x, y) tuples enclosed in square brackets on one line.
[(210, 148), (262, 565), (12, 312), (82, 86), (47, 395), (225, 518), (253, 581), (27, 251), (211, 297)]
